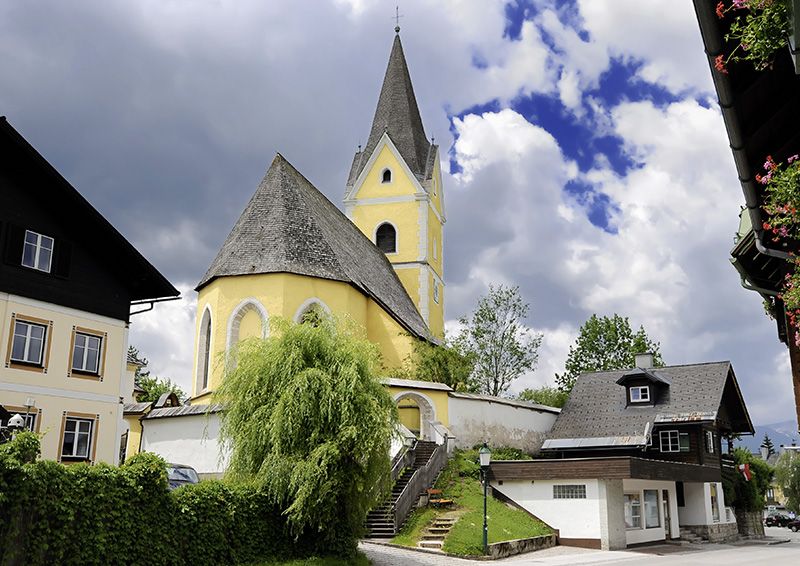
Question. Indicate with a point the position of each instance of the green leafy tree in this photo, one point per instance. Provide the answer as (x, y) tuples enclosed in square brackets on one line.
[(154, 387), (746, 495), (767, 443), (308, 420), (502, 347), (544, 395), (606, 343), (445, 363), (787, 474)]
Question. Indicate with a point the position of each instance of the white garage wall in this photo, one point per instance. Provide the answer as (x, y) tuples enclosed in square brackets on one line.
[(192, 440), (574, 518), (474, 419)]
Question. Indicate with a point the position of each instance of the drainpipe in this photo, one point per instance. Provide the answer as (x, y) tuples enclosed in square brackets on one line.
[(749, 286)]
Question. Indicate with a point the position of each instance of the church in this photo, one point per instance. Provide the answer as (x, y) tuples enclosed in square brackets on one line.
[(292, 251)]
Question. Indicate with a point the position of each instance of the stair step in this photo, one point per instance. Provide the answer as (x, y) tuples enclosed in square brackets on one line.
[(430, 544), (428, 536), (439, 530)]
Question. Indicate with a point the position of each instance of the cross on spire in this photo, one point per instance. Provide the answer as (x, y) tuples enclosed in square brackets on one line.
[(397, 16)]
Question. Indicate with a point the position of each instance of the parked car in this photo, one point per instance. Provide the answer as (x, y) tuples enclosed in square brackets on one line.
[(794, 525), (777, 520), (179, 475)]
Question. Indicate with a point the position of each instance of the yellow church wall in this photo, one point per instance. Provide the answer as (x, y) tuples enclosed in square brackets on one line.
[(409, 277), (404, 216), (134, 435), (435, 244), (373, 187), (436, 187), (436, 310), (409, 414), (440, 400), (393, 341)]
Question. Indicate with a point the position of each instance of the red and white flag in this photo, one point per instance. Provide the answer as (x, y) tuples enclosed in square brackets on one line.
[(745, 469)]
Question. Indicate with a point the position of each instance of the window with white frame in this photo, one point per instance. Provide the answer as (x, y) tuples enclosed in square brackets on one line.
[(652, 518), (77, 441), (30, 419), (714, 502), (28, 342), (674, 441), (436, 292), (569, 491), (639, 394), (37, 253), (633, 511), (710, 441), (86, 353)]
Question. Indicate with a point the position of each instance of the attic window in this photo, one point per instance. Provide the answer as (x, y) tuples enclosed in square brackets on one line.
[(37, 252), (386, 176), (639, 394)]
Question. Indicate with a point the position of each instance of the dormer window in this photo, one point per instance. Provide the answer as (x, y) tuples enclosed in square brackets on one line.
[(639, 394), (386, 176), (37, 252)]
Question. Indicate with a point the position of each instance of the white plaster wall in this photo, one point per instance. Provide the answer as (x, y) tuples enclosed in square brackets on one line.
[(612, 515), (637, 536), (696, 510), (192, 440), (574, 518), (474, 421)]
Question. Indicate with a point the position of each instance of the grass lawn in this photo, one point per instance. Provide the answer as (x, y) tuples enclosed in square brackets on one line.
[(359, 560), (459, 482)]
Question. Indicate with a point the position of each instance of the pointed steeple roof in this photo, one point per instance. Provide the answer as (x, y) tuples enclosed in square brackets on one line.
[(290, 227), (398, 115)]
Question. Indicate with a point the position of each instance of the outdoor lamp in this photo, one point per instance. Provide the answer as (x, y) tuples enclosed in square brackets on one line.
[(485, 456), (16, 422)]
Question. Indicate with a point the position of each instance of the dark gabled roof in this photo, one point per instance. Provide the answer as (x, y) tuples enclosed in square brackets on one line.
[(398, 115), (596, 413), (112, 249), (290, 227), (650, 375), (183, 411)]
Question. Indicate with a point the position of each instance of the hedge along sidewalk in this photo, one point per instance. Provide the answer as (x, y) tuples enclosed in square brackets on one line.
[(81, 514)]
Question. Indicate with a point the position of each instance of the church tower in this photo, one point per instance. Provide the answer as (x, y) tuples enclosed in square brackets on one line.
[(394, 192)]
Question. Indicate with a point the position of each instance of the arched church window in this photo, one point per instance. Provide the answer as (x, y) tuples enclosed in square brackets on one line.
[(248, 320), (386, 238), (313, 312), (204, 351), (386, 176)]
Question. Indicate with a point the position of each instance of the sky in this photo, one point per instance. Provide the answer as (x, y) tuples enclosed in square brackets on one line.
[(584, 154)]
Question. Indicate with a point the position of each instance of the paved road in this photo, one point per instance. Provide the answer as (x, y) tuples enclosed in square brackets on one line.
[(748, 554)]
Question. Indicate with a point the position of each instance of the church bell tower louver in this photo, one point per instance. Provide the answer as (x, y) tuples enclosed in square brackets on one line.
[(394, 192)]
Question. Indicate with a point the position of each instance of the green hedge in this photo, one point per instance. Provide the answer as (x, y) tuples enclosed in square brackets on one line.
[(81, 514)]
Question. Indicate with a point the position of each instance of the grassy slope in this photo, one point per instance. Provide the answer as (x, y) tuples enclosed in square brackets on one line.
[(459, 483)]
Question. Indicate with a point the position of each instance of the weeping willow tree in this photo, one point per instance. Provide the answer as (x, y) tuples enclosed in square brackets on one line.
[(306, 418)]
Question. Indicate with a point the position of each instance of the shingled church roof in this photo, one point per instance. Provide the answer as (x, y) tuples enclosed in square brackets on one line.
[(398, 115), (290, 227)]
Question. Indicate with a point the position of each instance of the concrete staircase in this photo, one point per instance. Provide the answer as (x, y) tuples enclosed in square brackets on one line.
[(690, 536), (381, 521), (433, 537)]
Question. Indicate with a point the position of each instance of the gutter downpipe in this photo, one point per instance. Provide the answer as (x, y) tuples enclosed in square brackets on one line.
[(749, 286), (713, 43)]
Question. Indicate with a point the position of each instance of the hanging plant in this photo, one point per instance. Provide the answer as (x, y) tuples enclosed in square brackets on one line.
[(781, 204), (759, 33)]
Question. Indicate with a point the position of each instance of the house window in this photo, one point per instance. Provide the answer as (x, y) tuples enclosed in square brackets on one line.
[(77, 442), (204, 351), (714, 505), (30, 418), (386, 176), (386, 238), (28, 342), (86, 351), (633, 511), (674, 441), (651, 516), (710, 441), (568, 491), (436, 292), (37, 253), (640, 394)]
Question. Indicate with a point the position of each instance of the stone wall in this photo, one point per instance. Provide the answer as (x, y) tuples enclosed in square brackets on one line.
[(719, 532), (512, 547), (751, 523)]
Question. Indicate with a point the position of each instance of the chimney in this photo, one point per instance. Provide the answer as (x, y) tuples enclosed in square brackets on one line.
[(764, 453), (644, 360)]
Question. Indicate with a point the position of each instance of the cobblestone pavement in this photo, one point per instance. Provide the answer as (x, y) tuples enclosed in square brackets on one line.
[(381, 555)]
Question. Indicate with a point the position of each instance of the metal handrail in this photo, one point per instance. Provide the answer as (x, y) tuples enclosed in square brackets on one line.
[(421, 477), (402, 460)]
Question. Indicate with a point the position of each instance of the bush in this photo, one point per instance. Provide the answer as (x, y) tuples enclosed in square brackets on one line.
[(81, 514)]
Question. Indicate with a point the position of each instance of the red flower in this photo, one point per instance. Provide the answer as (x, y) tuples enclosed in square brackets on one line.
[(719, 64), (720, 10)]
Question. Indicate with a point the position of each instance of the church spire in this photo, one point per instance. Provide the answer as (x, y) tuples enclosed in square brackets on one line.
[(398, 114)]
